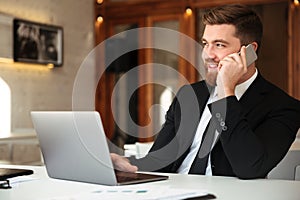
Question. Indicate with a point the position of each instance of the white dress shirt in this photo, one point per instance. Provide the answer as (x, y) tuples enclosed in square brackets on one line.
[(189, 159)]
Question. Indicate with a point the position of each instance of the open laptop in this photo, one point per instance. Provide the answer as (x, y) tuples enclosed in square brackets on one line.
[(74, 147), (7, 173)]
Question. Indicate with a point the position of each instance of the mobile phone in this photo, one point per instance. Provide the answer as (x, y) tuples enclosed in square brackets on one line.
[(250, 54)]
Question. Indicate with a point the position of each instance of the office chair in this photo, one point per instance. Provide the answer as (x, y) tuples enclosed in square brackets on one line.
[(288, 168)]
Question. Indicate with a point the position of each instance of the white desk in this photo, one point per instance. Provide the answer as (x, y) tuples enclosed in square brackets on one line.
[(226, 188)]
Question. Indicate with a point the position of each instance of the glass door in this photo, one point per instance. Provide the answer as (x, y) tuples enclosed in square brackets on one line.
[(119, 106), (164, 83)]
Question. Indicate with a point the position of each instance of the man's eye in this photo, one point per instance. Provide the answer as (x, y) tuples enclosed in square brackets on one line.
[(220, 45), (204, 44)]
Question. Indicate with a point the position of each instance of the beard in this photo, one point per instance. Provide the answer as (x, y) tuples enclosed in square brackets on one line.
[(211, 77), (211, 72)]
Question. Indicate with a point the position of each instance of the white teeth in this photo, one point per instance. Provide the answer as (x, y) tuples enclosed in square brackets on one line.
[(212, 65)]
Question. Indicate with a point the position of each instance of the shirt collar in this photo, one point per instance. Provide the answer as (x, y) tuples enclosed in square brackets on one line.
[(241, 88)]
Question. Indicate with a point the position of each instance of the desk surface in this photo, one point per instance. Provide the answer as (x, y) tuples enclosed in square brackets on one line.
[(223, 187)]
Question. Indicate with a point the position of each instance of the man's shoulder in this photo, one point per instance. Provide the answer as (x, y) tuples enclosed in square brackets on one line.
[(196, 89), (276, 92), (198, 85)]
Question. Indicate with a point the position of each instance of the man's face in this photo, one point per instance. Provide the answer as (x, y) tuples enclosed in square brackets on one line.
[(218, 42)]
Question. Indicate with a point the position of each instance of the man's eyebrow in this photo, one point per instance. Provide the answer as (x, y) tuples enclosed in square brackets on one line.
[(216, 41)]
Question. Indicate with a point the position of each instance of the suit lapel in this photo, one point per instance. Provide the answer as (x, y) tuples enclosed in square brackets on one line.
[(203, 93), (254, 94), (190, 120)]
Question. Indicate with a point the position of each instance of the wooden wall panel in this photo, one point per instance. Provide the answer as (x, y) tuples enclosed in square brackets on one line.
[(119, 12)]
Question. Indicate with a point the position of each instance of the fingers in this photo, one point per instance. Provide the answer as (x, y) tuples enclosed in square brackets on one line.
[(235, 59), (228, 60), (122, 164), (232, 58), (243, 56), (231, 69)]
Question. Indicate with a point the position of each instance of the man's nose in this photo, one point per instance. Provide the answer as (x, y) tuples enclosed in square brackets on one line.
[(209, 52)]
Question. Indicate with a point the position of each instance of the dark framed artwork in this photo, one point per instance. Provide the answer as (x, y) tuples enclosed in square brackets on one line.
[(37, 43)]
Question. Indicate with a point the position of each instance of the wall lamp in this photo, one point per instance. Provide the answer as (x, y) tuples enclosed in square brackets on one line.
[(100, 1), (100, 19), (188, 11)]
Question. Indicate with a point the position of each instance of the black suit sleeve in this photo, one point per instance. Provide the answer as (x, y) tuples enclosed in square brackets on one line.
[(255, 141), (174, 139)]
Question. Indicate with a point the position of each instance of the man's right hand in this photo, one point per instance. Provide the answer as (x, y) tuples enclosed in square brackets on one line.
[(122, 164)]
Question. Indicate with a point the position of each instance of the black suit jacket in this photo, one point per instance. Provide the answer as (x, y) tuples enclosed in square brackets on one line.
[(255, 132)]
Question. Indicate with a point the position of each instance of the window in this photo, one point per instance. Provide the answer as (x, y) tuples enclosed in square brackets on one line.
[(5, 109)]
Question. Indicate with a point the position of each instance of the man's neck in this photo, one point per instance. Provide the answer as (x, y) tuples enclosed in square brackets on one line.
[(251, 71)]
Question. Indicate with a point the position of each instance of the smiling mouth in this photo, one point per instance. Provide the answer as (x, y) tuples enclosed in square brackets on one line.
[(212, 65)]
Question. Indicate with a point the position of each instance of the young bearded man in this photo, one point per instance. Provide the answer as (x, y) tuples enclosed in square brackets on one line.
[(252, 122)]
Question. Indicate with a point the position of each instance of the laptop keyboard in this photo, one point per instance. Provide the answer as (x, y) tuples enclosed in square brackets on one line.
[(125, 177)]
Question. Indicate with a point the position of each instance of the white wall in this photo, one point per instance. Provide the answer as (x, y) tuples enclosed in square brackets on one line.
[(38, 88)]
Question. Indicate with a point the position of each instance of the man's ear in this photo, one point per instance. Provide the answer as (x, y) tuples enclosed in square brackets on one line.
[(255, 45)]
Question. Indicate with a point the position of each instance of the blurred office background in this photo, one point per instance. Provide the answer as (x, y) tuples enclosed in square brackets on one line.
[(85, 24)]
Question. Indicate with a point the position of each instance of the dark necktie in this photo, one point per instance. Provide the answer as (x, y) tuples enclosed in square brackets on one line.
[(200, 162)]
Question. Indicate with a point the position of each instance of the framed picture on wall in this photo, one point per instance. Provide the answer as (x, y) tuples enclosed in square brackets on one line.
[(37, 43)]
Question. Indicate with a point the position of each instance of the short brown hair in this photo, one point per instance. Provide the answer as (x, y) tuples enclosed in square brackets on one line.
[(248, 25)]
